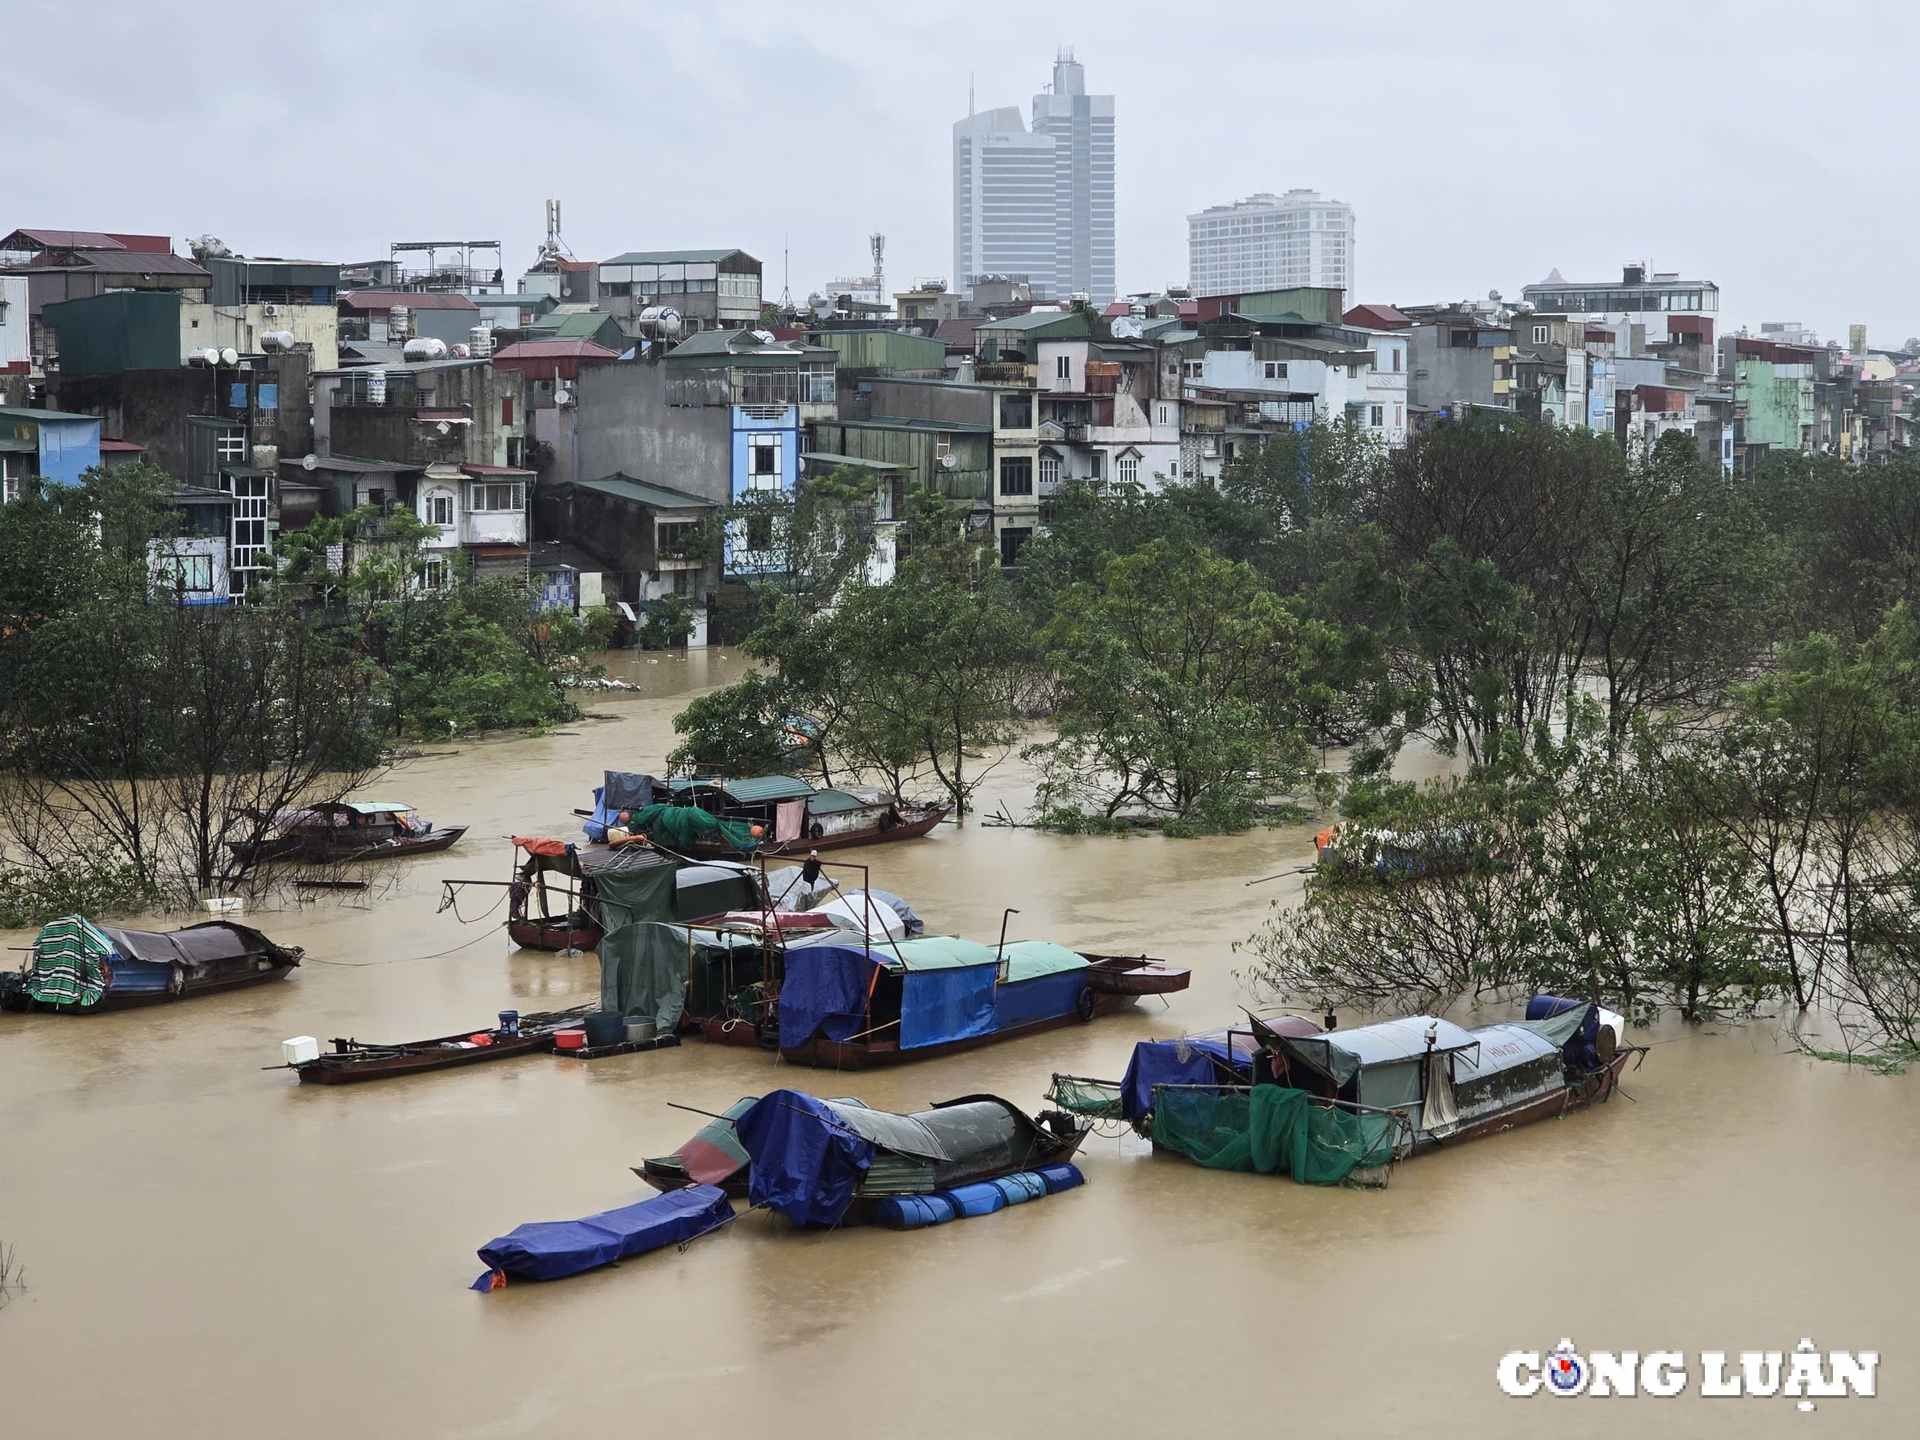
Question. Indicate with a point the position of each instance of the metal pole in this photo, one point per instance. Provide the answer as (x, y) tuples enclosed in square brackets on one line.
[(1000, 955)]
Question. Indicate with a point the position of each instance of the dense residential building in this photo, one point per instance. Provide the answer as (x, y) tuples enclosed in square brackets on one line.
[(707, 289), (1649, 300), (1038, 205), (1271, 242)]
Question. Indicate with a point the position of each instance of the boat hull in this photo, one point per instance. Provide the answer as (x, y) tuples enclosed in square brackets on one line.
[(905, 830), (1594, 1090), (301, 848), (554, 935), (136, 1000), (416, 1057)]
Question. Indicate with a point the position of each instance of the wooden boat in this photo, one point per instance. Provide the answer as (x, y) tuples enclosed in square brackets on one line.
[(80, 968), (352, 1061), (957, 1142), (1435, 1083), (340, 832), (1042, 988), (763, 814)]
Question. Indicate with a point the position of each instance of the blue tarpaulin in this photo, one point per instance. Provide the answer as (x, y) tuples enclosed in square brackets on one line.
[(824, 992), (1208, 1061), (551, 1249), (941, 1005), (1578, 1046), (1046, 997), (806, 1159)]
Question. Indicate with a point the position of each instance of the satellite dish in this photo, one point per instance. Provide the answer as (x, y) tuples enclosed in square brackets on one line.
[(309, 462), (1126, 328), (949, 460), (566, 292)]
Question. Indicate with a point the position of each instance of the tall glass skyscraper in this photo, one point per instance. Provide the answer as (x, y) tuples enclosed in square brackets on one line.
[(1038, 203), (1271, 242)]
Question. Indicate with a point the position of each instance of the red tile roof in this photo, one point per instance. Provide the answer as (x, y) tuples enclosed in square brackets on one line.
[(1376, 317), (31, 239), (957, 332), (121, 447), (554, 350)]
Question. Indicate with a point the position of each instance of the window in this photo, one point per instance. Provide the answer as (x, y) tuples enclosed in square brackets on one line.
[(433, 575), (759, 532), (1127, 470), (440, 508), (1193, 369), (1016, 475), (1399, 416), (1016, 412), (1539, 334), (506, 409), (1097, 465), (1273, 370), (496, 495), (1011, 544), (1396, 359), (1049, 471), (192, 574), (247, 541), (763, 462), (232, 447), (673, 539), (1062, 368), (1379, 417)]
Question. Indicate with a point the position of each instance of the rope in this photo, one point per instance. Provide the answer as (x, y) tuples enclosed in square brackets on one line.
[(402, 959)]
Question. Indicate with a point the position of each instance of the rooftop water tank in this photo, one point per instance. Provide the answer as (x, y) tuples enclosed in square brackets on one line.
[(424, 348)]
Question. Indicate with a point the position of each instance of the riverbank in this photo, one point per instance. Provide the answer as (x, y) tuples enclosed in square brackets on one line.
[(314, 1244)]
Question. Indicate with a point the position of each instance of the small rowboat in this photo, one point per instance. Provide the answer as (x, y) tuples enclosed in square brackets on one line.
[(352, 1061), (1120, 975)]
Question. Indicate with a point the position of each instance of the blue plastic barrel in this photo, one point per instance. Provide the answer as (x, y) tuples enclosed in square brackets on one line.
[(1060, 1177), (911, 1212), (606, 1030), (509, 1023), (971, 1200), (1021, 1188)]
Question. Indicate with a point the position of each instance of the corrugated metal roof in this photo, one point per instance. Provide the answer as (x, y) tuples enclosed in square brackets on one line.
[(674, 257), (20, 412), (29, 239), (659, 497), (122, 262), (410, 299), (1342, 1053), (750, 789), (860, 460), (497, 470), (554, 350)]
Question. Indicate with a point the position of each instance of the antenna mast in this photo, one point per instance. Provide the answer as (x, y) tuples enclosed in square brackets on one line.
[(879, 243), (786, 273)]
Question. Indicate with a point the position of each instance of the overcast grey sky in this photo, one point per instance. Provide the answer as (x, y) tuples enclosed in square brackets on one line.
[(1757, 143)]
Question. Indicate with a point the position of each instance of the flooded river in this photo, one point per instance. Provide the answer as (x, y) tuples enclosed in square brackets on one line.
[(214, 1250)]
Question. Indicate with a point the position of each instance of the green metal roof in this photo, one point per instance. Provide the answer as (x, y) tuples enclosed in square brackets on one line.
[(674, 257), (1037, 320), (895, 422), (20, 412), (751, 789), (859, 460), (624, 487)]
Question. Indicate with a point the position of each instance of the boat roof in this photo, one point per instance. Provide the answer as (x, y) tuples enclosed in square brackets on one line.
[(747, 790), (835, 802), (1343, 1053), (372, 807)]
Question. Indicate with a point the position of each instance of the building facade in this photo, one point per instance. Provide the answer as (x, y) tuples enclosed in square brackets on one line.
[(1271, 242), (1038, 204)]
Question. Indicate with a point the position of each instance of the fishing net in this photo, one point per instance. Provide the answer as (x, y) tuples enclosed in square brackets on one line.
[(681, 827), (1098, 1099), (1271, 1129)]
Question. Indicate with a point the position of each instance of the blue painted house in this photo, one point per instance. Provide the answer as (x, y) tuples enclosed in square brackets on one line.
[(52, 445)]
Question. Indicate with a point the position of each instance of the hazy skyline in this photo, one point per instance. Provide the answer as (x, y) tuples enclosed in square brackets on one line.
[(1481, 143)]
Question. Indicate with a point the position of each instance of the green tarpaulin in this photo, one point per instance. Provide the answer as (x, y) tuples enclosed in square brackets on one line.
[(1030, 959), (645, 893), (69, 963), (1270, 1128), (643, 973), (681, 827)]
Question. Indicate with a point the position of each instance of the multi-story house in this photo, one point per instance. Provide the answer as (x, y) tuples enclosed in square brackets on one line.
[(707, 289), (1104, 415)]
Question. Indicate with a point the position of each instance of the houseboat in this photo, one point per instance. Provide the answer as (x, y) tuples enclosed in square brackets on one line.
[(1331, 1102), (762, 814), (78, 967), (849, 1003), (337, 832)]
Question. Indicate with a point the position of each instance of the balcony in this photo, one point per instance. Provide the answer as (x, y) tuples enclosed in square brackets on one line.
[(493, 527), (1004, 372)]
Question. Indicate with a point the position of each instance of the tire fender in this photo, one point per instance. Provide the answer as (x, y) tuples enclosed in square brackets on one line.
[(1083, 1004)]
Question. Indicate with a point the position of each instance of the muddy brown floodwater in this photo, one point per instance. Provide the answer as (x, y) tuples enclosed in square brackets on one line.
[(215, 1250)]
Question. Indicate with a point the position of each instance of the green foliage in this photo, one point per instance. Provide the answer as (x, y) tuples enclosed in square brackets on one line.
[(736, 730), (1183, 684), (94, 884), (669, 623)]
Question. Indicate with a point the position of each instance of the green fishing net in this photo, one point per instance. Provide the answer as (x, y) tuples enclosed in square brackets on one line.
[(1271, 1129)]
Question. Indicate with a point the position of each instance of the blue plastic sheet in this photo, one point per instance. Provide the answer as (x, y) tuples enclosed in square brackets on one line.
[(941, 1005), (551, 1249), (1579, 1049), (806, 1161), (824, 993), (1045, 997), (1209, 1061)]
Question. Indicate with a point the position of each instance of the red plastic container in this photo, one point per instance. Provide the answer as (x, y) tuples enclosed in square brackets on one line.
[(575, 1039)]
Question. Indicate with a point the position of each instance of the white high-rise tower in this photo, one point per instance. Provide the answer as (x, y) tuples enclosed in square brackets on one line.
[(1038, 203), (1271, 242)]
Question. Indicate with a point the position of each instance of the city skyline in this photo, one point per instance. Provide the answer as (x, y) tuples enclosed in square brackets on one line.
[(1463, 203), (1272, 242), (1038, 203)]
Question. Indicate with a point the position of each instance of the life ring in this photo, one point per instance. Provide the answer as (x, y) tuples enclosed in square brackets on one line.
[(176, 981), (1083, 1004)]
